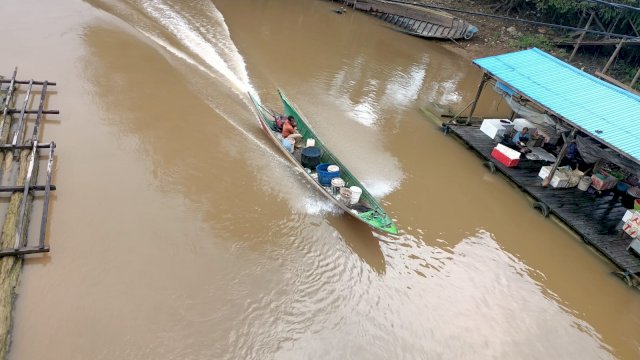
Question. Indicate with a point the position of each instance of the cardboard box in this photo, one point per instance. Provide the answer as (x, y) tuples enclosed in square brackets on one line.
[(506, 156), (496, 128)]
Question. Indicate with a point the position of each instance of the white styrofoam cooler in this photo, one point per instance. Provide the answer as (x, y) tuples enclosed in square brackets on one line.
[(560, 179), (628, 214), (496, 128)]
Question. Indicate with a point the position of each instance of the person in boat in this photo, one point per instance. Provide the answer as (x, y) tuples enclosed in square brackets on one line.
[(289, 131), (278, 122), (520, 139)]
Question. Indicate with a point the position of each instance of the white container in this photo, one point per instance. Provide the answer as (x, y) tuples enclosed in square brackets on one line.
[(560, 180), (584, 183), (311, 142), (628, 214), (355, 194), (333, 168), (336, 185), (635, 246), (345, 196), (544, 172), (496, 128)]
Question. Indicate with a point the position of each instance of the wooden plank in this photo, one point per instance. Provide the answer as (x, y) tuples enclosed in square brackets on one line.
[(595, 219), (47, 191), (615, 82), (24, 251)]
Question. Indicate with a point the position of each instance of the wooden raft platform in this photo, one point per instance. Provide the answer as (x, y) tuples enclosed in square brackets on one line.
[(596, 218)]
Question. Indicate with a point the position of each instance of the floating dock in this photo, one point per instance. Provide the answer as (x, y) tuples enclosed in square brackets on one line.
[(597, 219)]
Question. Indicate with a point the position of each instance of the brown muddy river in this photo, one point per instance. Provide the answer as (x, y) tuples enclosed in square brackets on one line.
[(177, 232)]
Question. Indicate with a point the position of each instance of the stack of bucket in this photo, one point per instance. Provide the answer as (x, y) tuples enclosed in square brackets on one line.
[(329, 176)]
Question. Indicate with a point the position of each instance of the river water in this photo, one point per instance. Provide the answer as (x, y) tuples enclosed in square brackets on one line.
[(177, 232)]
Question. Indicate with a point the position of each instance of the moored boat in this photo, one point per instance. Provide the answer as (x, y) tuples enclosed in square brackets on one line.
[(316, 162), (416, 20)]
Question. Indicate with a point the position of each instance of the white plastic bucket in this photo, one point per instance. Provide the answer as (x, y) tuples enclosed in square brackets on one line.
[(345, 196), (336, 185), (355, 194), (311, 142), (333, 168), (584, 183)]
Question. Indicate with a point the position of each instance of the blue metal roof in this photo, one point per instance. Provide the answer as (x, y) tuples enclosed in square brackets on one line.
[(607, 112)]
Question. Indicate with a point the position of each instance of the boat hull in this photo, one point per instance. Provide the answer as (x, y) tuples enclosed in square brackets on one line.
[(416, 20), (371, 212)]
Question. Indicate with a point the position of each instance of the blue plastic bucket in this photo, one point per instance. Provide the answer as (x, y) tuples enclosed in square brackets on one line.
[(324, 176)]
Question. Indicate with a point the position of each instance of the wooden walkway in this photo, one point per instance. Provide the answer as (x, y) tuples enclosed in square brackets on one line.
[(597, 219)]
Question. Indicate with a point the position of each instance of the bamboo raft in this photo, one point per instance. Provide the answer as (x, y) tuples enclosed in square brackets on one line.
[(19, 165), (416, 20)]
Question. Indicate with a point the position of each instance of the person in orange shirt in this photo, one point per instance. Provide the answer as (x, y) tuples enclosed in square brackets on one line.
[(289, 131)]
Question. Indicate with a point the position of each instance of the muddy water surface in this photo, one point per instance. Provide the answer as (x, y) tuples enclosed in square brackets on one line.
[(178, 233)]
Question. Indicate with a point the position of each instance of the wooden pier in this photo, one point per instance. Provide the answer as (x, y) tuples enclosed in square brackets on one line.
[(595, 218)]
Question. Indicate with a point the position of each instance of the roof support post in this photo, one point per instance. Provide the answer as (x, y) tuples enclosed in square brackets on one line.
[(485, 78), (635, 78), (577, 45), (613, 56), (563, 151)]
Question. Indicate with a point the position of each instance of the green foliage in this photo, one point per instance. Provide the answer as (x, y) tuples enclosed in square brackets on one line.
[(533, 40)]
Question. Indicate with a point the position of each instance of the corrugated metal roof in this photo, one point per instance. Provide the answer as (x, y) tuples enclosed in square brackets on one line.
[(607, 112)]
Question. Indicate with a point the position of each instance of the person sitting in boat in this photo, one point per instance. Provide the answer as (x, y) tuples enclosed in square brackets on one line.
[(280, 119), (289, 131), (520, 140)]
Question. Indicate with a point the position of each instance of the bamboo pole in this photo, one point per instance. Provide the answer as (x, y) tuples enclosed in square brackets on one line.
[(10, 266), (635, 79), (485, 78), (577, 45), (563, 151), (613, 56)]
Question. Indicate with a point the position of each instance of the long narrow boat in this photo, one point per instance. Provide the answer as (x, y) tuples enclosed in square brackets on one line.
[(413, 19), (366, 209)]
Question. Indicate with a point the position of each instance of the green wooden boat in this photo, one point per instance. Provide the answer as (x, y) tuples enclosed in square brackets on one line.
[(367, 209)]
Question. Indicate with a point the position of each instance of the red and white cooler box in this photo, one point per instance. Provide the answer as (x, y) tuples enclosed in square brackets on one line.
[(506, 156)]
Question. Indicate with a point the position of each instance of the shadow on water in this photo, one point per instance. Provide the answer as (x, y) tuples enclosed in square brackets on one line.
[(360, 239)]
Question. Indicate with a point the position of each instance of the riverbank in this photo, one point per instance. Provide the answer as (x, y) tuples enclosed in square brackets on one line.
[(494, 36), (497, 36)]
